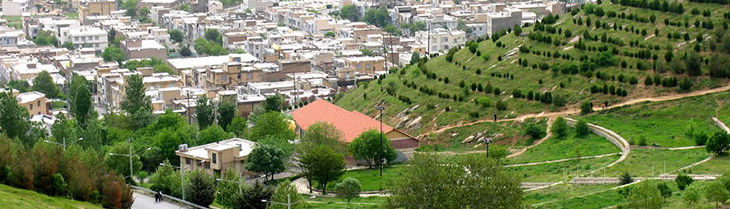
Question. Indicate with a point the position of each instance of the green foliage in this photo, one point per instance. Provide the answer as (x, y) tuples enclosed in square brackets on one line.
[(348, 189), (226, 112), (664, 190), (131, 7), (645, 195), (158, 64), (323, 165), (20, 85), (625, 178), (166, 180), (325, 134), (716, 192), (586, 107), (582, 129), (120, 163), (349, 12), (176, 35), (213, 134), (14, 118), (273, 103), (718, 143), (683, 181), (287, 192), (560, 128), (136, 103), (692, 196), (113, 53), (43, 83), (45, 38), (266, 159), (185, 51), (238, 126), (534, 131), (213, 35), (204, 112), (200, 188), (429, 183), (203, 46), (68, 45), (372, 146), (253, 195), (230, 188), (83, 106), (329, 34), (272, 124), (415, 57)]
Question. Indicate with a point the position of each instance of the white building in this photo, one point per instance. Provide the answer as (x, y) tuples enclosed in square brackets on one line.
[(16, 7), (441, 39), (503, 20), (85, 36)]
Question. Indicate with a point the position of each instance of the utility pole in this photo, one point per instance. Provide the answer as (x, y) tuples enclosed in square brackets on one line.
[(428, 45), (380, 160), (187, 108)]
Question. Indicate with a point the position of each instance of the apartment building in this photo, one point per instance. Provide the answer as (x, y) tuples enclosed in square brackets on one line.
[(34, 102), (173, 4), (215, 158), (232, 74), (17, 7), (441, 39), (85, 36), (143, 49), (95, 8), (366, 65), (12, 37), (503, 20)]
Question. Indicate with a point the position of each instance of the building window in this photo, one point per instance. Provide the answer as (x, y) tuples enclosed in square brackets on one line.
[(31, 106), (187, 161), (206, 165), (38, 103), (215, 158)]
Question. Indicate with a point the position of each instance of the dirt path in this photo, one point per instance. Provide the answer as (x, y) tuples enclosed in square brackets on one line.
[(577, 110), (721, 124), (548, 134), (561, 160)]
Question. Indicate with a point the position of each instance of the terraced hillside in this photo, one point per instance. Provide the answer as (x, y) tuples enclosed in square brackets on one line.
[(600, 54)]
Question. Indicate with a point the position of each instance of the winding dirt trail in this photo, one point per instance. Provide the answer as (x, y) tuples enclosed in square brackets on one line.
[(547, 136), (577, 110)]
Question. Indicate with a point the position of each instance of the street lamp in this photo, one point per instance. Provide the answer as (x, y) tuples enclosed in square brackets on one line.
[(380, 159), (182, 178), (64, 142), (288, 202), (488, 141), (130, 155)]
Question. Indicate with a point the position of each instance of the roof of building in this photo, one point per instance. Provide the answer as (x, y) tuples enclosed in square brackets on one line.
[(350, 123), (29, 96), (201, 152)]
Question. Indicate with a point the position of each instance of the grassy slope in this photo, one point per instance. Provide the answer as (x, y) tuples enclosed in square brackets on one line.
[(571, 147), (26, 199), (503, 133), (665, 123), (370, 178), (718, 165), (641, 161), (526, 78), (554, 172)]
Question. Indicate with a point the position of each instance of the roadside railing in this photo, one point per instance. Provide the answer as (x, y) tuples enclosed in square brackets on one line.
[(168, 197)]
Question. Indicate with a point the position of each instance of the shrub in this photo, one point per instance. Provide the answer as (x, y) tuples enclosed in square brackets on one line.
[(501, 105), (560, 128), (586, 107), (683, 181), (534, 131), (581, 128), (625, 178), (474, 114)]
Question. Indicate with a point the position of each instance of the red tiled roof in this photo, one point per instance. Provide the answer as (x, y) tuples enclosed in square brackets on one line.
[(351, 123)]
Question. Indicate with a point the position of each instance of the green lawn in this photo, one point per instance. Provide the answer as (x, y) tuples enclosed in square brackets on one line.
[(554, 172), (369, 178), (58, 104), (561, 192), (27, 199), (717, 165), (641, 161), (598, 200), (71, 15), (360, 202), (14, 21), (571, 147), (664, 123)]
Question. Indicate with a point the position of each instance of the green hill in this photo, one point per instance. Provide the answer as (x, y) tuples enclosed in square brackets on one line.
[(26, 199), (600, 53)]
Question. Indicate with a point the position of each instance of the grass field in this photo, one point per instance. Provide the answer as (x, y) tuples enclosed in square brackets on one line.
[(14, 21), (26, 199), (664, 123), (554, 172), (718, 165), (561, 192), (641, 161), (571, 147), (507, 134), (370, 178)]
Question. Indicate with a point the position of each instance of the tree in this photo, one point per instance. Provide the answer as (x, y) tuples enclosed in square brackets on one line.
[(200, 188), (203, 46), (213, 134), (348, 189), (113, 53), (176, 35), (44, 83), (119, 163), (166, 180), (272, 124), (349, 12), (692, 195), (534, 131), (683, 180), (286, 192), (582, 129), (131, 7), (586, 107), (229, 188), (372, 146), (718, 143), (13, 118), (329, 34), (518, 30), (322, 133), (716, 192), (267, 159), (273, 103), (625, 179), (82, 104), (238, 126), (470, 182), (204, 112), (693, 64), (226, 112), (645, 196), (560, 128), (664, 190), (378, 17), (136, 103), (68, 45), (251, 199), (213, 35), (45, 38), (322, 164), (415, 57), (185, 51)]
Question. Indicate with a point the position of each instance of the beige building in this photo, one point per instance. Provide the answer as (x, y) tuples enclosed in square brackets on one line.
[(368, 65), (232, 74), (96, 8), (34, 102), (143, 49), (216, 158)]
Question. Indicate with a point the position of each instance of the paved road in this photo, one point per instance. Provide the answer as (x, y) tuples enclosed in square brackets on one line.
[(147, 202)]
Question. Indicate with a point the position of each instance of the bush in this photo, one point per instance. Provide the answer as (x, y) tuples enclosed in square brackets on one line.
[(683, 181), (625, 178), (664, 190), (560, 128), (501, 105), (582, 129), (586, 107), (534, 131), (474, 114)]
